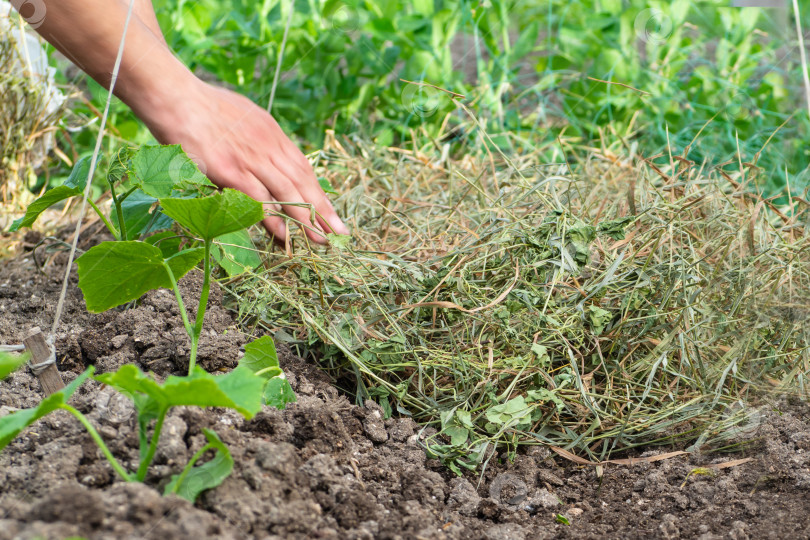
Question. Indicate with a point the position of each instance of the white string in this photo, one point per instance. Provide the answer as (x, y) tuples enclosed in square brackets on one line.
[(42, 366), (60, 306), (802, 54), (280, 56)]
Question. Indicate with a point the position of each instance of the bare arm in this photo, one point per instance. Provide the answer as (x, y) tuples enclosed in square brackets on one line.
[(238, 143)]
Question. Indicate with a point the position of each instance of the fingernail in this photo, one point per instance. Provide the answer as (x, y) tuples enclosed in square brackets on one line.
[(338, 226)]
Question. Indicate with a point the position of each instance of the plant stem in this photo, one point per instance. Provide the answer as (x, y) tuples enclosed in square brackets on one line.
[(190, 465), (267, 370), (198, 323), (150, 454), (121, 226), (123, 197), (99, 441), (106, 221), (179, 297)]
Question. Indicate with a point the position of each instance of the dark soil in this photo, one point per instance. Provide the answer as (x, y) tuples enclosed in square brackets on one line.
[(325, 468)]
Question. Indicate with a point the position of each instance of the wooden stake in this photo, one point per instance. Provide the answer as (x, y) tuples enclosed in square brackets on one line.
[(49, 378)]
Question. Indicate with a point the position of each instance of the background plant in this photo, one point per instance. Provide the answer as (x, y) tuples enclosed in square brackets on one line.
[(527, 68)]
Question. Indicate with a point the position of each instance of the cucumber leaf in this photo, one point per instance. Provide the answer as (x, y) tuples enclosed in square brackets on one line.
[(236, 253), (13, 424), (214, 215), (261, 358), (278, 392), (10, 363), (73, 186), (135, 209), (189, 485), (160, 170), (240, 389), (168, 242), (113, 273)]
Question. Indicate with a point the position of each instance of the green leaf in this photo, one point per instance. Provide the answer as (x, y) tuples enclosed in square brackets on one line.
[(599, 318), (113, 273), (160, 170), (458, 435), (73, 186), (326, 186), (261, 358), (339, 241), (237, 253), (135, 209), (209, 475), (581, 235), (10, 363), (513, 413), (545, 395), (240, 390), (214, 215), (12, 424), (278, 392), (168, 242), (541, 353), (464, 418), (614, 228)]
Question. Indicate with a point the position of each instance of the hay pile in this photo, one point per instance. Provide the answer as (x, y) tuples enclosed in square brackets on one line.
[(594, 307), (30, 107)]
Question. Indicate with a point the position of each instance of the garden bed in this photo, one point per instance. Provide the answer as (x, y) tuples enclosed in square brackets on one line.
[(325, 468)]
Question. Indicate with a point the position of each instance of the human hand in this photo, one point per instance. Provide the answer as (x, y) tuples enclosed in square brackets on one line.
[(242, 146)]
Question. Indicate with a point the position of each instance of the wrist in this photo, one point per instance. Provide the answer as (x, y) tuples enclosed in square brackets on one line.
[(156, 93)]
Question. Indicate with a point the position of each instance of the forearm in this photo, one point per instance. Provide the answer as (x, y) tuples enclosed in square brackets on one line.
[(145, 11), (89, 32)]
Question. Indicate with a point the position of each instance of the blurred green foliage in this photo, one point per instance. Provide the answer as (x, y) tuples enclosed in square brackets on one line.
[(526, 67)]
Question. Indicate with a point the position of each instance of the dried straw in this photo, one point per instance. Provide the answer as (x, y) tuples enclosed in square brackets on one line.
[(594, 306)]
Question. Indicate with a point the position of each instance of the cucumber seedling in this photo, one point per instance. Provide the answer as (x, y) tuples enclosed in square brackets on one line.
[(160, 187), (257, 379), (151, 189)]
